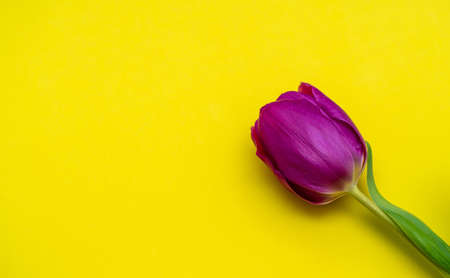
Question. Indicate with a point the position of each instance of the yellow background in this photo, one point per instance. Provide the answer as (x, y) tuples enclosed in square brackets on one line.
[(126, 146)]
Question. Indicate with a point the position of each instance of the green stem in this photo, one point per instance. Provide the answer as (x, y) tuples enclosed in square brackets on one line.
[(358, 195), (368, 203)]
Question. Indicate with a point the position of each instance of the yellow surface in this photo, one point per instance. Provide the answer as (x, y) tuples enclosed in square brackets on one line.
[(126, 146)]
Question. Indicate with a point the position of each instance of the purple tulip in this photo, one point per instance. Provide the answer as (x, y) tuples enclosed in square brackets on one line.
[(310, 144)]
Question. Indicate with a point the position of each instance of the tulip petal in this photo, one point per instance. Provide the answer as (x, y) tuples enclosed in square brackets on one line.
[(290, 95), (263, 155), (341, 119), (314, 155), (313, 197)]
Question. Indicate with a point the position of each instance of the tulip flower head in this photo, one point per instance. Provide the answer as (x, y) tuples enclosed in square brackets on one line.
[(310, 144)]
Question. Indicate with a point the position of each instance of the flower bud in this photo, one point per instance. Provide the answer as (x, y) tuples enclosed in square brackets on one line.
[(310, 144)]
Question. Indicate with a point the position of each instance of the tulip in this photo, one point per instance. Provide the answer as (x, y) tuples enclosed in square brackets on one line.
[(310, 144), (317, 152)]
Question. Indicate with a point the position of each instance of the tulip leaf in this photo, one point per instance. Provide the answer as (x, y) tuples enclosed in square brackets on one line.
[(422, 237)]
